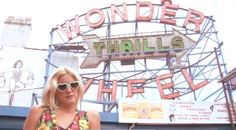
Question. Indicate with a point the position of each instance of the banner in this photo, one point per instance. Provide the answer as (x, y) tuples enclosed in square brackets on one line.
[(173, 112)]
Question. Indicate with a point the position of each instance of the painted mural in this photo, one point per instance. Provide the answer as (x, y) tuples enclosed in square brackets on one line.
[(19, 75)]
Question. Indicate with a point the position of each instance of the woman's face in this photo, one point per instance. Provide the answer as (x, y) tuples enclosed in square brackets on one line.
[(67, 95)]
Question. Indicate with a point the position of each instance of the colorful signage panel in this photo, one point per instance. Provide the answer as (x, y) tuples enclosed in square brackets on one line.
[(173, 112), (138, 47)]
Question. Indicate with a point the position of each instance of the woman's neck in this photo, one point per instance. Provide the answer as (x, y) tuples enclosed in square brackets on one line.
[(67, 108)]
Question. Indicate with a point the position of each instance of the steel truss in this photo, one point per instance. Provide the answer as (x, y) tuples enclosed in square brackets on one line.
[(203, 62)]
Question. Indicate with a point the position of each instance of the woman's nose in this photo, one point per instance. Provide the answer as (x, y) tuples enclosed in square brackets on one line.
[(69, 89)]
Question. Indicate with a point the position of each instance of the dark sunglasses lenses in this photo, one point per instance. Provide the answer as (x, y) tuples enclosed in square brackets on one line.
[(63, 87), (74, 85)]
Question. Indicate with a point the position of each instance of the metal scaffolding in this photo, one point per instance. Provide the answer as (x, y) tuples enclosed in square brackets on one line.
[(203, 62)]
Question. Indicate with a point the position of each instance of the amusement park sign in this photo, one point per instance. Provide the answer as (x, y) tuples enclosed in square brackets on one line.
[(167, 45), (168, 14), (131, 48), (173, 112), (139, 47)]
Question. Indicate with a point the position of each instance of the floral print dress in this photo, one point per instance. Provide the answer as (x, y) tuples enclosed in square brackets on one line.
[(48, 121)]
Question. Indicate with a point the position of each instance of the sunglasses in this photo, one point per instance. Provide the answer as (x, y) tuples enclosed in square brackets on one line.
[(63, 87)]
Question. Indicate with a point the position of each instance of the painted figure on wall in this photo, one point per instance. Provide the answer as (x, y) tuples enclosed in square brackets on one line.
[(20, 79)]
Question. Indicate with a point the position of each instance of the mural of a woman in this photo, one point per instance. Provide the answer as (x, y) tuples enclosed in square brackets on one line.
[(20, 79)]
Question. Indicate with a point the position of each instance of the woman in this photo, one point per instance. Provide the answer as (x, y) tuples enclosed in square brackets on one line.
[(58, 110)]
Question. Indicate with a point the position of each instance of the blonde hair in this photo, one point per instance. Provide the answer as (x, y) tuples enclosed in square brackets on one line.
[(48, 97)]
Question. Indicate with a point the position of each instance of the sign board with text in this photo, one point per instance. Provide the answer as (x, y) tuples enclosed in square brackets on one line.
[(173, 112)]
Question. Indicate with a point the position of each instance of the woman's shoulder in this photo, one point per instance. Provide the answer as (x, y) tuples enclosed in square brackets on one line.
[(94, 119), (93, 113), (89, 115), (37, 110), (33, 117)]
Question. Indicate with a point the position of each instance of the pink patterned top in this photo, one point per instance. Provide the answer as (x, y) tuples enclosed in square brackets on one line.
[(48, 121)]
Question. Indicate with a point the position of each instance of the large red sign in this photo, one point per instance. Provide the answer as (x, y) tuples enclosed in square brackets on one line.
[(194, 18)]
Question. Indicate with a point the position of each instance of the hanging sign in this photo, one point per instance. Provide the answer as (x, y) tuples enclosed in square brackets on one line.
[(138, 47), (173, 112)]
